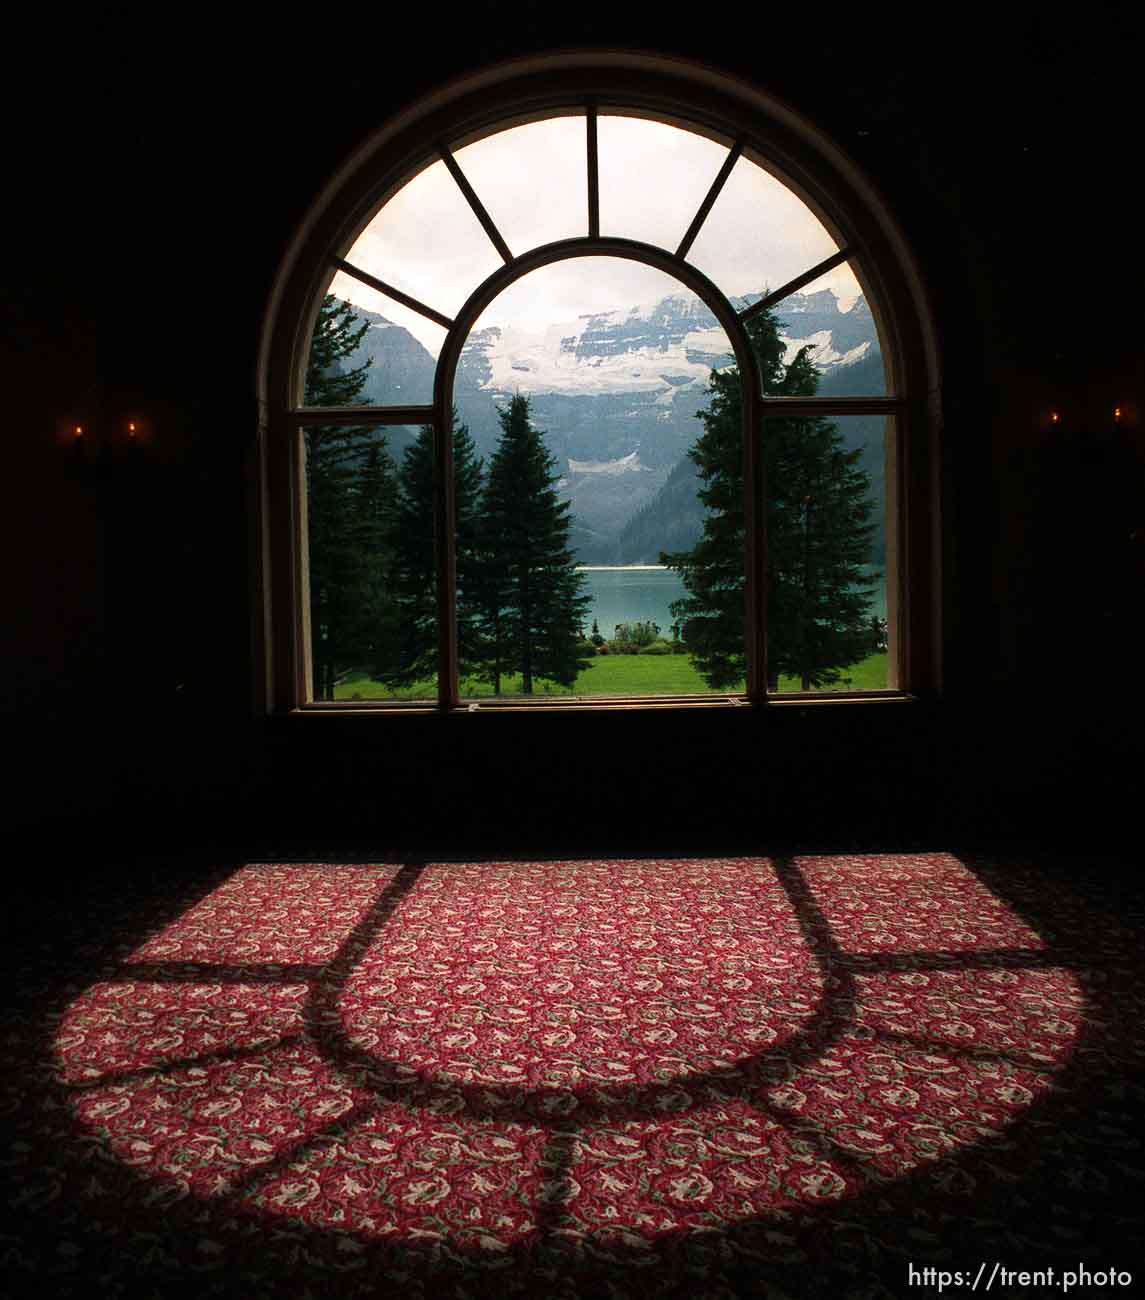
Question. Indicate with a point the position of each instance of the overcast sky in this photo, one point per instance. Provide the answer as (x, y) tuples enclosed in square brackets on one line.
[(532, 181)]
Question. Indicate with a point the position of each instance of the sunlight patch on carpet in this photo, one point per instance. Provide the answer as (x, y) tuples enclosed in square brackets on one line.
[(483, 1054)]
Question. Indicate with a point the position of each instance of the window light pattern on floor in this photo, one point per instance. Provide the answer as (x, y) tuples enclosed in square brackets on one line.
[(490, 1059)]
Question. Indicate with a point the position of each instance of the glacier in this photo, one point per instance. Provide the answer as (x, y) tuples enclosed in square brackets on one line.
[(616, 392)]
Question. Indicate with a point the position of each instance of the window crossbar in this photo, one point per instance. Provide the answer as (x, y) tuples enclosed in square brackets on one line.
[(793, 286), (359, 415), (593, 161), (709, 200), (479, 210), (782, 407), (390, 291)]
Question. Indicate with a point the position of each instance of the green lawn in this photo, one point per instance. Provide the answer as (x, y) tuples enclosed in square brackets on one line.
[(608, 675)]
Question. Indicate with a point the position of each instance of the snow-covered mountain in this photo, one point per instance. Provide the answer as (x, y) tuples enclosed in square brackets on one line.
[(658, 348), (616, 392), (653, 349)]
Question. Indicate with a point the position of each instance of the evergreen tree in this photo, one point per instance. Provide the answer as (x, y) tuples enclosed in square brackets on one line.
[(339, 570), (819, 534), (376, 625), (336, 336), (529, 593), (415, 575)]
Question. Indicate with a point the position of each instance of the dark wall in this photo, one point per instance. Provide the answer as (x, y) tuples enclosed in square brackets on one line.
[(164, 171)]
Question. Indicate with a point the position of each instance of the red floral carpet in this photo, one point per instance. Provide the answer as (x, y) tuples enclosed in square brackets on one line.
[(700, 1078)]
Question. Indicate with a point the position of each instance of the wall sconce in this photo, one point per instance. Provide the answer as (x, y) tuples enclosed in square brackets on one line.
[(78, 433), (103, 444), (1086, 418), (1127, 414), (133, 430)]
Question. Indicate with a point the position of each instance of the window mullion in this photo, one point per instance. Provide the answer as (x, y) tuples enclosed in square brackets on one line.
[(709, 200), (479, 211), (448, 684), (593, 161), (755, 558), (390, 291)]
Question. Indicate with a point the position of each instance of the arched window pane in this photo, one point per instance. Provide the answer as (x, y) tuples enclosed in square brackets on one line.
[(532, 180), (653, 178), (614, 359)]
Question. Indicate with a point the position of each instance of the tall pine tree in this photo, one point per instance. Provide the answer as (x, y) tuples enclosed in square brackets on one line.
[(415, 573), (377, 624), (819, 534), (529, 593), (350, 496)]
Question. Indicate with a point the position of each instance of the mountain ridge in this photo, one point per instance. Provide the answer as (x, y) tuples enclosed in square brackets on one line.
[(616, 392)]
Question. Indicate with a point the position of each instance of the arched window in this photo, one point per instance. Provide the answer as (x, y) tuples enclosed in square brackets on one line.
[(586, 330)]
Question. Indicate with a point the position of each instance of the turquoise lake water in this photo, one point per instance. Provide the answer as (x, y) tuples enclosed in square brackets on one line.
[(642, 593), (631, 595)]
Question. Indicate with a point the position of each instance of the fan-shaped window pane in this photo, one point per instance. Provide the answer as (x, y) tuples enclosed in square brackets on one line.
[(653, 178), (532, 180), (758, 235), (428, 243)]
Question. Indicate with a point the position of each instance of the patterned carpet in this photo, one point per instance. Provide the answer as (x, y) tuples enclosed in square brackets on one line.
[(704, 1078)]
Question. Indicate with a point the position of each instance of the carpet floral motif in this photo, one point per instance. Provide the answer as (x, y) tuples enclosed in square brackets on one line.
[(512, 1074)]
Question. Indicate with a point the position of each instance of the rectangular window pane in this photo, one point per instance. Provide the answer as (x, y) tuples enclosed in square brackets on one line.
[(370, 571), (694, 525), (827, 617), (612, 620)]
